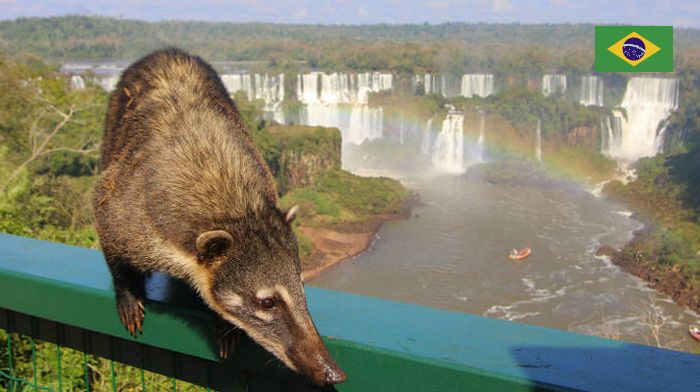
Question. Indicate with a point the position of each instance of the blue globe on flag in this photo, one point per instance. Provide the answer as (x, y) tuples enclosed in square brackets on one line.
[(634, 49)]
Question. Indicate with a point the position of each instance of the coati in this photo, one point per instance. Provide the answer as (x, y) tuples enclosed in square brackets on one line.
[(184, 191)]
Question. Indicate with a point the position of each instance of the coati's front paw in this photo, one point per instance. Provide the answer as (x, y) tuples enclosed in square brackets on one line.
[(227, 337), (131, 312)]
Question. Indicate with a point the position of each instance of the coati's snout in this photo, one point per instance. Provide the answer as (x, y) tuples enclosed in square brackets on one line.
[(281, 323), (256, 285)]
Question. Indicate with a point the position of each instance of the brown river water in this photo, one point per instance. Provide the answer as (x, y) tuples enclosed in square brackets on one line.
[(452, 254)]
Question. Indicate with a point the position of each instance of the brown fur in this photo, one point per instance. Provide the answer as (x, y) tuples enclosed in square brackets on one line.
[(178, 162)]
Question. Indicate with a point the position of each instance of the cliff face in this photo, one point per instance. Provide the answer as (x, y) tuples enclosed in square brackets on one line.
[(584, 136), (299, 155)]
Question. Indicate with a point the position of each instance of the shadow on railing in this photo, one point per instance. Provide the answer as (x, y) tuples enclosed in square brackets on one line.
[(63, 294)]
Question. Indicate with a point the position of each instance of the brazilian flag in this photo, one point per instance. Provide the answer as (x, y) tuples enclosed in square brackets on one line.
[(634, 49)]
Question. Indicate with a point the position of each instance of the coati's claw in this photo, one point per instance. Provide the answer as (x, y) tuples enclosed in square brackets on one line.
[(131, 312), (227, 337)]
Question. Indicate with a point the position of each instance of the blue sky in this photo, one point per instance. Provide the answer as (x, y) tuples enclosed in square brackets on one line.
[(660, 12)]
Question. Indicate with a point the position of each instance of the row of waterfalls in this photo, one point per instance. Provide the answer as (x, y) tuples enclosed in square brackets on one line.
[(340, 100), (471, 85), (268, 88)]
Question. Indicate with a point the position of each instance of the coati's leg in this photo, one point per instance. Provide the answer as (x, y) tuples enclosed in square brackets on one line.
[(227, 337), (129, 287)]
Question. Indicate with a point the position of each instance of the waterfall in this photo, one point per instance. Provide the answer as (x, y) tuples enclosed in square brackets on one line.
[(270, 89), (77, 82), (108, 83), (357, 123), (479, 85), (553, 84), (647, 102), (448, 153), (307, 87), (538, 142), (591, 91), (604, 135), (338, 88), (444, 85), (239, 82), (341, 100), (366, 123), (482, 137)]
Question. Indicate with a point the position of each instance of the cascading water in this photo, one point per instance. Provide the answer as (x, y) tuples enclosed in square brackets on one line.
[(477, 85), (448, 152), (239, 82), (604, 134), (307, 87), (365, 123), (538, 142), (432, 84), (108, 83), (340, 100), (268, 88), (648, 102), (553, 84), (591, 91), (444, 85), (77, 82)]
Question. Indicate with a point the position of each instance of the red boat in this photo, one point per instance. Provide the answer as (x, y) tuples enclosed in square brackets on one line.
[(694, 330), (520, 254)]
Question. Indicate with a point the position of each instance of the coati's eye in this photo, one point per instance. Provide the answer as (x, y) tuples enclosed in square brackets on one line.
[(267, 303)]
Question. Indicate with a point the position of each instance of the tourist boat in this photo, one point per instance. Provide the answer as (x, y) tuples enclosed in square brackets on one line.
[(694, 330), (520, 254)]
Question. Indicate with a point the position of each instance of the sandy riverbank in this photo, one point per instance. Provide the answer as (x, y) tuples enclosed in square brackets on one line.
[(336, 243)]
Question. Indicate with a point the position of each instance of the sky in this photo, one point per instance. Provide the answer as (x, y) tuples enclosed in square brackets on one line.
[(659, 12)]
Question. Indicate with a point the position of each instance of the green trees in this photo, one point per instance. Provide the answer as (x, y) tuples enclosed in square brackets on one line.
[(48, 154)]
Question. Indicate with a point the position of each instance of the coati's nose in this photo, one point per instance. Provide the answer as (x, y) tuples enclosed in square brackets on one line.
[(335, 376)]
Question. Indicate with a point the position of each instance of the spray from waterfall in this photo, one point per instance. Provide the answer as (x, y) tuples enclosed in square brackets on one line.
[(482, 138), (427, 134), (538, 142)]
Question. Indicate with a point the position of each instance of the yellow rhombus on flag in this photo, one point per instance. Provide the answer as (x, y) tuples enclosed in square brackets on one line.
[(651, 49)]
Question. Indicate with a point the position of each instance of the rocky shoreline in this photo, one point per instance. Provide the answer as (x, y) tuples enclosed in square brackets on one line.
[(670, 281), (334, 244)]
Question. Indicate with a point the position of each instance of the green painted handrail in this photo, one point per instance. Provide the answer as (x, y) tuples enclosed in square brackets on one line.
[(382, 345)]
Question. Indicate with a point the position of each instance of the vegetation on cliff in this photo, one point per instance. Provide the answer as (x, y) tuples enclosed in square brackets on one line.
[(299, 155)]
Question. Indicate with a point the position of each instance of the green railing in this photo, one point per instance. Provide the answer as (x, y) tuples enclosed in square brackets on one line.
[(62, 295)]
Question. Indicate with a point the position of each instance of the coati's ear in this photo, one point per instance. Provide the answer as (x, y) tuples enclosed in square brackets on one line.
[(213, 243), (291, 214)]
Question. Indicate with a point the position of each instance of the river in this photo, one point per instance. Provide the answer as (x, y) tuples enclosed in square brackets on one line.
[(452, 254)]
